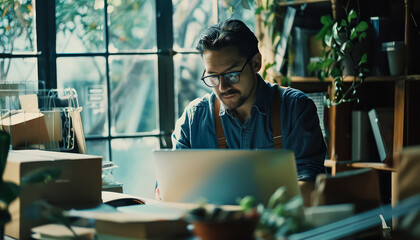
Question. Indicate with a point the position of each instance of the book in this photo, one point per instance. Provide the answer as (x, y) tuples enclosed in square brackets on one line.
[(382, 123), (287, 28), (154, 220), (363, 146), (301, 39), (162, 229), (61, 232)]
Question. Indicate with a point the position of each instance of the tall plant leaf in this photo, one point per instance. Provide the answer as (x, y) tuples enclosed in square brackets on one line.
[(4, 150)]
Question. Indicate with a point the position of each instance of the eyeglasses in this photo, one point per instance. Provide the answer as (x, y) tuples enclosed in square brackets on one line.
[(214, 80)]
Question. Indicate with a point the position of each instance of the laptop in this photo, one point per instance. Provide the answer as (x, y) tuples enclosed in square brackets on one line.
[(223, 176)]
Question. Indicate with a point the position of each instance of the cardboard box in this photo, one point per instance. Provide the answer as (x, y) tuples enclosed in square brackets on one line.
[(79, 185), (25, 128)]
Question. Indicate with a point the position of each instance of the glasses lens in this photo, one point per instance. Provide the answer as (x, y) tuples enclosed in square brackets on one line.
[(232, 78), (211, 81)]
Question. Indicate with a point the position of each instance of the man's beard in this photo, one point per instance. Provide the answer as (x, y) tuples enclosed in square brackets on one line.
[(242, 99), (233, 105)]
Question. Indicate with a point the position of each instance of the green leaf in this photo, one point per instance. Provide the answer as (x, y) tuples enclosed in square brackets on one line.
[(327, 62), (267, 66), (294, 204), (335, 72), (328, 40), (278, 196), (312, 66), (259, 10), (363, 59), (346, 45), (247, 203), (362, 36), (327, 20), (324, 30), (231, 9), (335, 33), (353, 34), (352, 15), (279, 210), (321, 76), (245, 4), (343, 23), (362, 26)]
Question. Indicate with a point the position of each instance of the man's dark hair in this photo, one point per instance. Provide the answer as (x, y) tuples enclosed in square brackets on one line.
[(231, 32)]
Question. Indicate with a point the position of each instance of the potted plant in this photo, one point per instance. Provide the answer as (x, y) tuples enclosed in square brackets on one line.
[(276, 220), (216, 223), (341, 57)]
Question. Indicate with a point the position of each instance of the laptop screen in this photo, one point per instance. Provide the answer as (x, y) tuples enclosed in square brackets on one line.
[(223, 176)]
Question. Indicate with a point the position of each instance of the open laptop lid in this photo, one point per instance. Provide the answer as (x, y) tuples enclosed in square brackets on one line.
[(223, 176)]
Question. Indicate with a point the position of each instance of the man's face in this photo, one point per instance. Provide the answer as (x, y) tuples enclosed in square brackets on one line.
[(227, 60)]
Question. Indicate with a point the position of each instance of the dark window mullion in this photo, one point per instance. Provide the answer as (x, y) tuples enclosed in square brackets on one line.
[(46, 41), (108, 82), (165, 69)]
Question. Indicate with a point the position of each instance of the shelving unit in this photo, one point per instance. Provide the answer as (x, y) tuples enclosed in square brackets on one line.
[(300, 2), (397, 92)]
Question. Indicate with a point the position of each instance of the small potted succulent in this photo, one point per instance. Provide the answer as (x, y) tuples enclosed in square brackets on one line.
[(276, 220), (212, 222)]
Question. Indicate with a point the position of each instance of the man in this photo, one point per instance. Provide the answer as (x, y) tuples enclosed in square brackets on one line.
[(245, 101)]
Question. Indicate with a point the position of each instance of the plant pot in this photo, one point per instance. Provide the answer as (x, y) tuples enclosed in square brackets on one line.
[(238, 229)]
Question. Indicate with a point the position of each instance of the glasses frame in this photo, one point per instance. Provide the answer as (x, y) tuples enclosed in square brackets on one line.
[(235, 73)]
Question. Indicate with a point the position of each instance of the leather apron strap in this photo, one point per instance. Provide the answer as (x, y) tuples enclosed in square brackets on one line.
[(275, 122), (276, 119), (221, 140)]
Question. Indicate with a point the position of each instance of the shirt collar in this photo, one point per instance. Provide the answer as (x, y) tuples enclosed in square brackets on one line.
[(261, 101)]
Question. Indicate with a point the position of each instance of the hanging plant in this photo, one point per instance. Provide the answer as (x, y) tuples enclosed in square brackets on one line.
[(340, 60)]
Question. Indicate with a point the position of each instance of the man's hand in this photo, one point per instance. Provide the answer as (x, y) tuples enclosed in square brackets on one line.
[(306, 188)]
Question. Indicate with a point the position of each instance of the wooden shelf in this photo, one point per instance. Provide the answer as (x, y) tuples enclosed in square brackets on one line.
[(300, 2), (350, 78), (375, 165), (378, 166), (413, 77)]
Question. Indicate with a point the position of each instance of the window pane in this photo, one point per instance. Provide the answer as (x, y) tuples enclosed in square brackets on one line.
[(99, 148), (133, 94), (18, 69), (234, 9), (17, 28), (188, 86), (189, 18), (87, 76), (132, 25), (135, 160), (80, 26)]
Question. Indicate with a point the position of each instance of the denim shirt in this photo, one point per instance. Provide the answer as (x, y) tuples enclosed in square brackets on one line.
[(300, 128)]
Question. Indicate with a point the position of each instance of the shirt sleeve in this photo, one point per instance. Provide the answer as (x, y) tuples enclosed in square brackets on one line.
[(305, 139), (181, 135)]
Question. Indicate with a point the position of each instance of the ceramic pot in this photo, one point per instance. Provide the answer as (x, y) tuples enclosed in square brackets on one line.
[(238, 229)]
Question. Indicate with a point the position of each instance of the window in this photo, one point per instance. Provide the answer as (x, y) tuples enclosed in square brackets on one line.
[(133, 64)]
